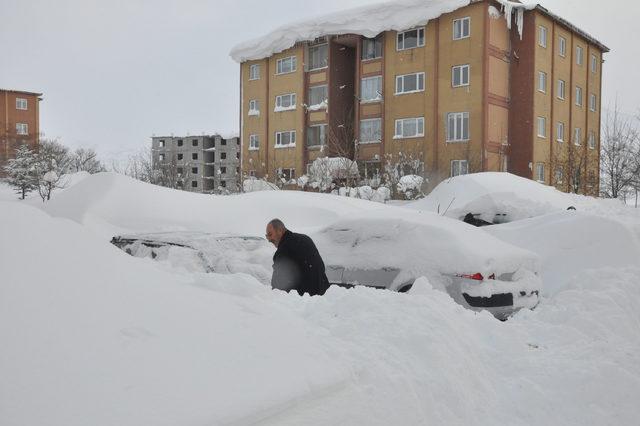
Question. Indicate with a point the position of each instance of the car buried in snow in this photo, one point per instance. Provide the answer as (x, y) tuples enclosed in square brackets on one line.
[(374, 250)]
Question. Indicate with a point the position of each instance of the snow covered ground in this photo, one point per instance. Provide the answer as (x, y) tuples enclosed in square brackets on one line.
[(91, 335)]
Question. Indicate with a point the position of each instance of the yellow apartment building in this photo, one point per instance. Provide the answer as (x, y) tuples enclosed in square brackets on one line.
[(462, 86)]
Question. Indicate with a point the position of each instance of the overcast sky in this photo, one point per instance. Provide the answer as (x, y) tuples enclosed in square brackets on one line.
[(115, 72)]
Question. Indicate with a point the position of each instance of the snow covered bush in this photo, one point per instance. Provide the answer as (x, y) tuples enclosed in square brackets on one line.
[(411, 186), (326, 173), (21, 171), (253, 184)]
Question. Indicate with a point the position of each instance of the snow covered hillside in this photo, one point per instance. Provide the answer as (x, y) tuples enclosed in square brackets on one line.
[(91, 335)]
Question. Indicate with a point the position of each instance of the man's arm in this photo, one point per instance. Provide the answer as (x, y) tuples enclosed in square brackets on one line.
[(285, 274)]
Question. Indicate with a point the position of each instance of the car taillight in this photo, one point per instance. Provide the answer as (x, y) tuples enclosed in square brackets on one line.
[(477, 276)]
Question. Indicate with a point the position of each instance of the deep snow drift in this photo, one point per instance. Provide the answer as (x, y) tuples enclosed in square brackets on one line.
[(93, 336)]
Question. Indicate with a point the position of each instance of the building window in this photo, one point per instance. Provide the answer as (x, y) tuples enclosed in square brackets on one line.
[(287, 174), (461, 28), (180, 142), (161, 158), (371, 89), (372, 48), (592, 139), (459, 167), (285, 102), (254, 107), (254, 142), (542, 36), (559, 176), (223, 170), (409, 128), (592, 102), (21, 104), (194, 156), (371, 130), (180, 171), (223, 142), (594, 64), (542, 127), (318, 57), (542, 82), (460, 76), (161, 144), (579, 96), (223, 155), (410, 39), (410, 83), (22, 129), (194, 170), (194, 142), (562, 46), (285, 139), (254, 72), (316, 135), (561, 89), (457, 127), (180, 156), (318, 95), (577, 136), (286, 65), (579, 58), (194, 183), (540, 172), (560, 132)]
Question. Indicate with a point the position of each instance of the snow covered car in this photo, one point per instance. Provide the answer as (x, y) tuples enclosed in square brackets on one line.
[(478, 271), (374, 250)]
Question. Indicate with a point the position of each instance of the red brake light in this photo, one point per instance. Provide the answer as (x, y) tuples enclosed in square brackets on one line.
[(477, 276)]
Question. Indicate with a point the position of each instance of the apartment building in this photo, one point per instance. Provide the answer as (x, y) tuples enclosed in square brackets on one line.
[(481, 85), (19, 122), (205, 164)]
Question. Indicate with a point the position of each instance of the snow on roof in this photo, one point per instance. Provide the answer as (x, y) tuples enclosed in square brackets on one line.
[(368, 21)]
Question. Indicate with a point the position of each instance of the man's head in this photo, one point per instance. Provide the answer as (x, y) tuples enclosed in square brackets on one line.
[(275, 231)]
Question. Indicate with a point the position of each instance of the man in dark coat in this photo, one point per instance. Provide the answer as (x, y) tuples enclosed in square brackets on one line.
[(297, 265)]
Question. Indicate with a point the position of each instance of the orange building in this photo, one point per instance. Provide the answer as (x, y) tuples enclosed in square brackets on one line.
[(19, 122), (484, 86)]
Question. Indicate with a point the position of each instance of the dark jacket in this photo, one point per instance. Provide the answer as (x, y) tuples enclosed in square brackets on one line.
[(297, 265)]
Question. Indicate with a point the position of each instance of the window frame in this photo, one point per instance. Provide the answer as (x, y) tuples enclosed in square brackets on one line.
[(577, 136), (561, 93), (593, 102), (370, 120), (326, 90), (543, 121), (20, 102), (465, 116), (378, 98), (294, 65), (592, 139), (402, 121), (562, 46), (254, 111), (377, 42), (254, 75), (559, 135), (540, 173), (594, 64), (292, 102), (279, 135), (461, 21), (459, 163), (309, 56), (322, 135), (460, 69), (543, 34), (420, 39), (542, 79), (22, 129), (254, 142), (579, 100), (579, 56), (401, 78)]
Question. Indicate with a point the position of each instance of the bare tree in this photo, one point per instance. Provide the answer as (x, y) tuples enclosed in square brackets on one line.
[(86, 160), (52, 162), (619, 165)]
